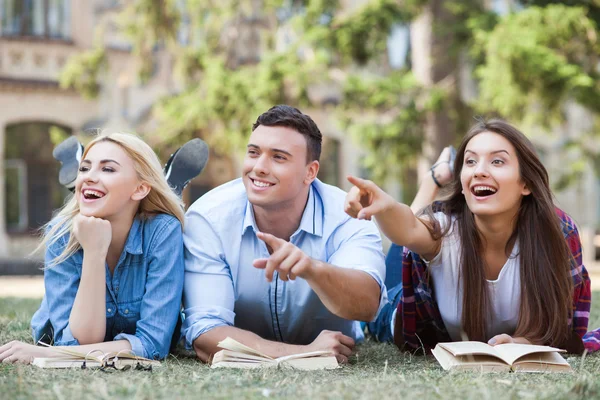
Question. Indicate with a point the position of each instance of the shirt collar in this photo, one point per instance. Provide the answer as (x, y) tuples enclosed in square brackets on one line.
[(249, 219), (134, 239), (312, 217)]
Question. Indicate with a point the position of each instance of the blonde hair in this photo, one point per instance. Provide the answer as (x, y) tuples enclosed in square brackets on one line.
[(160, 200)]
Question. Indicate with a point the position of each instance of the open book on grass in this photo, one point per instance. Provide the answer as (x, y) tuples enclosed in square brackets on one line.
[(237, 355), (480, 356), (68, 358)]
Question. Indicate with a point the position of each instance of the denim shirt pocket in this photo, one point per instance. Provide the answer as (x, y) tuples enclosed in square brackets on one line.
[(130, 310)]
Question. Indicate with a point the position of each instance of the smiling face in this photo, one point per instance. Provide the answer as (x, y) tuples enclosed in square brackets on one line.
[(107, 185), (275, 171), (490, 176)]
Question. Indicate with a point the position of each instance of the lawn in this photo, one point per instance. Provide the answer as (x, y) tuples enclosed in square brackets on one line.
[(377, 371)]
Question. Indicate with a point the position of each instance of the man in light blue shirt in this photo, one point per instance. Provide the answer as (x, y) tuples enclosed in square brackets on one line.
[(272, 260)]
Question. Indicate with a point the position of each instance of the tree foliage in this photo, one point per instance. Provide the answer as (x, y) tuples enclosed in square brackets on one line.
[(537, 59), (235, 58)]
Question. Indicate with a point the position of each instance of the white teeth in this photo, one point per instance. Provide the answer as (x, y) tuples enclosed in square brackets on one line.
[(484, 188), (89, 192), (261, 184)]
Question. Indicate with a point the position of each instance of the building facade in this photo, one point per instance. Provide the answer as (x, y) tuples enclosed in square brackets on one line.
[(36, 40)]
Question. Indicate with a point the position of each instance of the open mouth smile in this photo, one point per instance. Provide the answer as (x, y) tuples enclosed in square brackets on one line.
[(483, 191), (90, 195)]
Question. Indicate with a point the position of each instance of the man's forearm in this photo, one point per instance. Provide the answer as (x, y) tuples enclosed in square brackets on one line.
[(206, 344), (347, 293)]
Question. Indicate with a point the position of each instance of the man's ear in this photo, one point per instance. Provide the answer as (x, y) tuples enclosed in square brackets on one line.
[(141, 191), (311, 172)]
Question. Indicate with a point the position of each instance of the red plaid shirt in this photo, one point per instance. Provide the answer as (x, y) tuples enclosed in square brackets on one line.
[(420, 325)]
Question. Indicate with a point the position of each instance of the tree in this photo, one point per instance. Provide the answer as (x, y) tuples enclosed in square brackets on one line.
[(239, 57)]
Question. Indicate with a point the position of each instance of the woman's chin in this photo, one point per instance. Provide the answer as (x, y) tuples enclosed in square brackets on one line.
[(86, 212)]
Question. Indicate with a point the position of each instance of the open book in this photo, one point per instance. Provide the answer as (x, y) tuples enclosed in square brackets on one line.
[(68, 358), (480, 356), (237, 355)]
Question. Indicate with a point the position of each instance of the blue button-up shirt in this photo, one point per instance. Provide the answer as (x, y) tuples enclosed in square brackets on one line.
[(143, 295), (222, 288)]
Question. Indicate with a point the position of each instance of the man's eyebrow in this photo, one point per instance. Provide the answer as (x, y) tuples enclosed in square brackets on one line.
[(282, 151), (274, 150), (86, 161)]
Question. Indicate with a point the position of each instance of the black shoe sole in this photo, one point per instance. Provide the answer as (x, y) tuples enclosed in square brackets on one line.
[(66, 153), (186, 163)]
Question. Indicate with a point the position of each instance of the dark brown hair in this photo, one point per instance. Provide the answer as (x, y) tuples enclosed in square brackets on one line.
[(291, 117), (545, 258)]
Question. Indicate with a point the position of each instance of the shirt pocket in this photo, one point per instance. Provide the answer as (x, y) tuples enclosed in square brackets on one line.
[(130, 310)]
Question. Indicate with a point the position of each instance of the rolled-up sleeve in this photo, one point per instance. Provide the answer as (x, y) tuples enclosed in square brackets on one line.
[(161, 303), (208, 295), (357, 245), (61, 282)]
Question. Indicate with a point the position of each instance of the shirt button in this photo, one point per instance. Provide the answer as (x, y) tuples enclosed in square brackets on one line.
[(109, 310), (126, 311), (117, 289)]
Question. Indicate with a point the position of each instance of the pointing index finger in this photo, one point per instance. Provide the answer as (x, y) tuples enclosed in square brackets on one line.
[(273, 241), (358, 182)]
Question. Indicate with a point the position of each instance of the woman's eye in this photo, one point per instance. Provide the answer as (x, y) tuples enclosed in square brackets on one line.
[(108, 169), (470, 162), (83, 169), (497, 162)]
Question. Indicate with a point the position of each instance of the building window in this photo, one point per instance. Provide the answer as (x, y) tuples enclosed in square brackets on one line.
[(49, 19), (398, 45), (16, 195), (31, 190)]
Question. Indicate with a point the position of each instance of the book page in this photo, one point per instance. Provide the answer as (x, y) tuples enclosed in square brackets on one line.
[(65, 352), (470, 348), (483, 363), (312, 363), (64, 363), (304, 355), (228, 355), (233, 345), (510, 352), (542, 362)]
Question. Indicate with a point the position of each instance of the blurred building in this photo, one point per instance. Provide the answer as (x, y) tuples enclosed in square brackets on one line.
[(38, 37), (36, 40)]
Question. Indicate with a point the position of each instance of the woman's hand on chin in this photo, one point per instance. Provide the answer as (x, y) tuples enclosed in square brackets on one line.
[(22, 353), (504, 339), (93, 234)]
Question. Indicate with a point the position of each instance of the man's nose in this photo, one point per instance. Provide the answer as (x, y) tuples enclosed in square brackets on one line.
[(262, 165)]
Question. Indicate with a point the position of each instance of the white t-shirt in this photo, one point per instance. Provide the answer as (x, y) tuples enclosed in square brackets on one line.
[(504, 292)]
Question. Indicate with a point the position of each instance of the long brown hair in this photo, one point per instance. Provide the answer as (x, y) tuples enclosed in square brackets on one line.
[(545, 258)]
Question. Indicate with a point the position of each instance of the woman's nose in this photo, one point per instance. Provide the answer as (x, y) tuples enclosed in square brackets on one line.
[(480, 170)]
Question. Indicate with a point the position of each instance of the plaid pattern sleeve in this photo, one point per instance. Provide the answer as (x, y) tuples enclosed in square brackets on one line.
[(419, 324), (582, 293)]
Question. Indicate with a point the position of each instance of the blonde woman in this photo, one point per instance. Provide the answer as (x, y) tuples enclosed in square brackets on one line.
[(114, 258)]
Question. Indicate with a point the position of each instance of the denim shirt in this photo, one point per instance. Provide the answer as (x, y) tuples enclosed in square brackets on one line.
[(143, 295)]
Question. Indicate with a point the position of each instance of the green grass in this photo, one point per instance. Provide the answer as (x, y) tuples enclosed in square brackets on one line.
[(378, 371)]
